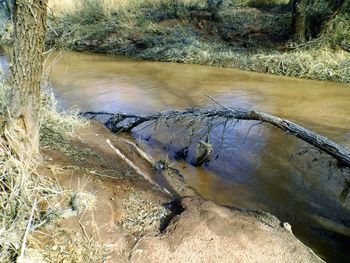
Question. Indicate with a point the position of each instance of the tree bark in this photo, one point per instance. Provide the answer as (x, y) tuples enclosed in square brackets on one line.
[(26, 71), (299, 19), (335, 150)]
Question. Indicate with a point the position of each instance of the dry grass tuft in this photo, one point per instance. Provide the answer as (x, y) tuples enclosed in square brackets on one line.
[(27, 201), (57, 126), (59, 245), (141, 215)]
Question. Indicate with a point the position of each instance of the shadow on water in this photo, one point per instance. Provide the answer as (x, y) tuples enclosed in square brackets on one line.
[(261, 169)]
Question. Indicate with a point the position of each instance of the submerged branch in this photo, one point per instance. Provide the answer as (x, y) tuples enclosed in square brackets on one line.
[(337, 151)]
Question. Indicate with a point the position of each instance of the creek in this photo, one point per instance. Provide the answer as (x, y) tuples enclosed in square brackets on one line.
[(254, 166)]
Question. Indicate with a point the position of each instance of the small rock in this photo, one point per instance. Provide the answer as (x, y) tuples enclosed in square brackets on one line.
[(287, 226)]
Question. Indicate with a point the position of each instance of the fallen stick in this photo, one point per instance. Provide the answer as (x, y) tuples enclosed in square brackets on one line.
[(171, 176), (143, 154), (134, 167), (26, 233)]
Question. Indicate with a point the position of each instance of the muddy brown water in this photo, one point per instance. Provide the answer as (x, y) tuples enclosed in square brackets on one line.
[(253, 166)]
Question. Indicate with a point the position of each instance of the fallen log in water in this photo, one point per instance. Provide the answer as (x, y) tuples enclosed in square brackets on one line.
[(337, 151)]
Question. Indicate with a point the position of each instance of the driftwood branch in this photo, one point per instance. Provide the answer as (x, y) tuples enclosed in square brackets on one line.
[(337, 151), (133, 166)]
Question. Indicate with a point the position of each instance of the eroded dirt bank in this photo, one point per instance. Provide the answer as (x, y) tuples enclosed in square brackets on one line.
[(135, 220), (206, 232)]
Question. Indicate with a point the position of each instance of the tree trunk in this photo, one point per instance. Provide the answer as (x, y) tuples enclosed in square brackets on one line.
[(26, 72), (299, 19)]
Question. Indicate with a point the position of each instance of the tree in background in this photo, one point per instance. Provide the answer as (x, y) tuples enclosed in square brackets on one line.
[(20, 122), (299, 19)]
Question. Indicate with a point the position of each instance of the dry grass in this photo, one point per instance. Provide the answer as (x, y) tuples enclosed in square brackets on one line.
[(27, 201), (140, 215), (106, 8), (3, 25), (57, 126), (62, 245), (3, 21), (31, 202)]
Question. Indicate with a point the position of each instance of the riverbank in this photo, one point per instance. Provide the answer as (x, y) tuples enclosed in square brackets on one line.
[(250, 38), (119, 215), (93, 197)]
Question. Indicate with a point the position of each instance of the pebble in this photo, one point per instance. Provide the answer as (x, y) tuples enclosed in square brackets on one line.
[(287, 226)]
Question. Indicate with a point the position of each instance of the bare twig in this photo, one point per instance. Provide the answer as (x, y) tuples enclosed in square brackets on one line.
[(25, 237), (222, 105)]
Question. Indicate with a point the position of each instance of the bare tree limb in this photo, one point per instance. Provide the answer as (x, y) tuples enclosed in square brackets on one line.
[(340, 153)]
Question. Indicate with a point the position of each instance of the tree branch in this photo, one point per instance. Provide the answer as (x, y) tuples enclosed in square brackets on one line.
[(340, 153)]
